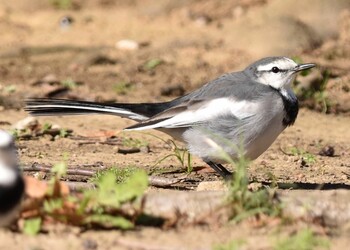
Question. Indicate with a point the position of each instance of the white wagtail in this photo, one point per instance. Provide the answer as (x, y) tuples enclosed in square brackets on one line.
[(11, 181), (251, 107)]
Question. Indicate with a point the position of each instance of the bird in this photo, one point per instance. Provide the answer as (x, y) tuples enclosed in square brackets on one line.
[(11, 180), (248, 108)]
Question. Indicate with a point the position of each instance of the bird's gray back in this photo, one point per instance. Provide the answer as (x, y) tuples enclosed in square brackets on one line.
[(236, 85)]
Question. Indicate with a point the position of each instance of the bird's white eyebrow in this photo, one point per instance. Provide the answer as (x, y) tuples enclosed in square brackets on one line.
[(206, 112), (282, 64)]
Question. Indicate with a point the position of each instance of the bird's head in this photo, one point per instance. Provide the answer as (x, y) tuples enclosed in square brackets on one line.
[(277, 72)]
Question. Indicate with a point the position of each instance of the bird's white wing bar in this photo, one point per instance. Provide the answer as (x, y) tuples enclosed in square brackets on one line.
[(121, 112), (206, 112)]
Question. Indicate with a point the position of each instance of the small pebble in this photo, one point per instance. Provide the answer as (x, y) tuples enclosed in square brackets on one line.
[(212, 186), (145, 149), (66, 22), (127, 45), (90, 244), (327, 151)]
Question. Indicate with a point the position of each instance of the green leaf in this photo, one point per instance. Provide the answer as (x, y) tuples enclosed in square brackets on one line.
[(110, 221), (133, 187), (110, 193), (10, 88), (106, 194), (305, 239), (122, 88), (153, 63), (46, 126), (63, 133), (60, 169), (69, 83), (52, 205), (32, 226)]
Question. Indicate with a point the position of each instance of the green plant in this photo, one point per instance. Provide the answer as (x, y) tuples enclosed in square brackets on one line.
[(15, 133), (305, 239), (106, 200), (182, 155), (46, 127), (32, 226), (103, 206), (62, 4), (306, 156), (241, 200), (10, 88), (69, 83), (133, 143), (153, 63), (122, 88), (121, 174), (63, 133)]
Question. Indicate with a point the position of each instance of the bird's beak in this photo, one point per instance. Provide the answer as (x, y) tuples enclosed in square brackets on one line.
[(304, 66)]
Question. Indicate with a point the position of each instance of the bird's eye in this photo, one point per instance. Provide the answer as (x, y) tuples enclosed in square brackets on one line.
[(275, 70)]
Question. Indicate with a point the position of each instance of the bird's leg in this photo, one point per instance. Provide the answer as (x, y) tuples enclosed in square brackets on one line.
[(221, 170)]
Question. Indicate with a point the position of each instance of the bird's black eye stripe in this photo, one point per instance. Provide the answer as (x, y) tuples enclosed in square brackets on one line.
[(275, 69)]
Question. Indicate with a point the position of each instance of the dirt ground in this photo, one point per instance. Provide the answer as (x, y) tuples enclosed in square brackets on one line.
[(181, 45)]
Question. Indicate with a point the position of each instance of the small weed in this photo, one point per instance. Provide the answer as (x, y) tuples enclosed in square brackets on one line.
[(245, 203), (32, 226), (305, 156), (182, 155), (133, 143), (10, 89), (62, 4), (69, 83), (122, 88), (63, 133), (242, 201), (39, 131), (231, 245), (305, 239), (272, 178), (46, 127), (110, 196), (121, 174), (153, 63), (15, 133), (102, 207)]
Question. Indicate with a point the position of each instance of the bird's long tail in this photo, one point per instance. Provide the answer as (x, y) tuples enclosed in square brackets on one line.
[(52, 107)]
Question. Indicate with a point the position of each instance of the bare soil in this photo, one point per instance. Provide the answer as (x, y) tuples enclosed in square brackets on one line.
[(195, 41)]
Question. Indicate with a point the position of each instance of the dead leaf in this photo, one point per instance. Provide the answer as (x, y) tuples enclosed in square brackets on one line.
[(60, 189), (35, 188)]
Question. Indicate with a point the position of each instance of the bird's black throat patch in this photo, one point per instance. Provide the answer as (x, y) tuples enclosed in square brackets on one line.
[(10, 196), (291, 108)]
